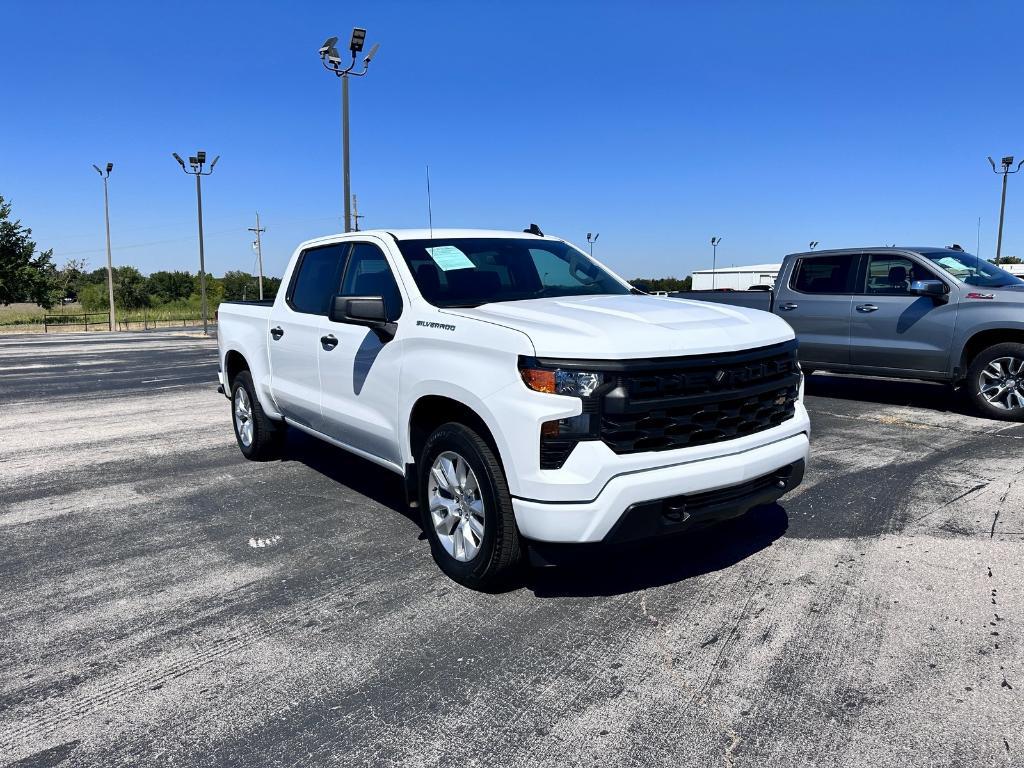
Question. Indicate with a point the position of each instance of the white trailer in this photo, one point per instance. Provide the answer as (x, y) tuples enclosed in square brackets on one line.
[(736, 278)]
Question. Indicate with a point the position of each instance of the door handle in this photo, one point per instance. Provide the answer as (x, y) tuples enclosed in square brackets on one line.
[(788, 306), (277, 333), (866, 308), (329, 342)]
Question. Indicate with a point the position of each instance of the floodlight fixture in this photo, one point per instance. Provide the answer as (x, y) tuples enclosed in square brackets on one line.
[(110, 167), (97, 169), (331, 61), (214, 162), (201, 156), (358, 38), (1007, 162), (177, 157), (328, 45)]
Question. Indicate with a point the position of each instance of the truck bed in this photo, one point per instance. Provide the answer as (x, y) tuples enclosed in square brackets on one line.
[(751, 299)]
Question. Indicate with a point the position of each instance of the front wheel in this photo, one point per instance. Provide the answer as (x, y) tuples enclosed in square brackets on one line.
[(467, 509), (995, 382)]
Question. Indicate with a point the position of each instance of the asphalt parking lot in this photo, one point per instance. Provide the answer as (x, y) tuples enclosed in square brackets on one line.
[(165, 602)]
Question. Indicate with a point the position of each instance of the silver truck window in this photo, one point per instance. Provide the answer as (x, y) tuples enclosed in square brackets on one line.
[(892, 275), (825, 274)]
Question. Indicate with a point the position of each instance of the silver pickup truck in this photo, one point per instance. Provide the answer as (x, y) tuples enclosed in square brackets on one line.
[(924, 313)]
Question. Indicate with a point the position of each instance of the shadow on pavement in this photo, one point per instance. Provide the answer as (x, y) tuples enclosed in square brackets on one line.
[(349, 470), (654, 563), (916, 394)]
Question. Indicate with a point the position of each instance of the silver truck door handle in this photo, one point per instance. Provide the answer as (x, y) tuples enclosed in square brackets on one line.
[(329, 342), (788, 306), (277, 332), (866, 308)]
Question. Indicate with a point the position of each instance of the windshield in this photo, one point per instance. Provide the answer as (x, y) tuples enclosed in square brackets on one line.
[(467, 272), (972, 270)]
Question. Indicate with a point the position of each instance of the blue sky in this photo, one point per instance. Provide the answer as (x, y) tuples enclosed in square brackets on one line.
[(655, 124)]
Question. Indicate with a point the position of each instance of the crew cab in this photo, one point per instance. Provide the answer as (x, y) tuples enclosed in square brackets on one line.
[(528, 396), (938, 314)]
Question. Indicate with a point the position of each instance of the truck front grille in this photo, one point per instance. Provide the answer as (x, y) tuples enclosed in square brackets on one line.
[(662, 405)]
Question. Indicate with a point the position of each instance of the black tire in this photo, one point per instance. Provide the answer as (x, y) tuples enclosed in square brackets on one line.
[(975, 381), (267, 436), (500, 550)]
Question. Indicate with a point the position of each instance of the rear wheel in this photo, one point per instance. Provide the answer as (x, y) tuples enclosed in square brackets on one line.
[(995, 382), (467, 509), (259, 437)]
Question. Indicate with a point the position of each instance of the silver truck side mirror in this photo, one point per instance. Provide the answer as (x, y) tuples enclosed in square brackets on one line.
[(934, 289)]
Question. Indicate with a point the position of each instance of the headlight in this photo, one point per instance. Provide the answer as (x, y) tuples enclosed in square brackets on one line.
[(560, 382), (559, 436)]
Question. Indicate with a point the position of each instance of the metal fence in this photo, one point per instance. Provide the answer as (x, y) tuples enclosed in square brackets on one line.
[(134, 322), (83, 318)]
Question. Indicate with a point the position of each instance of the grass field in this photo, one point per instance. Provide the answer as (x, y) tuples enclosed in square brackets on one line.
[(28, 318)]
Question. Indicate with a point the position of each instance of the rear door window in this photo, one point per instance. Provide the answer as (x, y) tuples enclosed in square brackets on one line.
[(825, 274)]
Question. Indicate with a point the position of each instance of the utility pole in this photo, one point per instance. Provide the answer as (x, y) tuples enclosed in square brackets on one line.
[(355, 213), (196, 163), (259, 249), (714, 259), (110, 267), (331, 61), (1006, 162)]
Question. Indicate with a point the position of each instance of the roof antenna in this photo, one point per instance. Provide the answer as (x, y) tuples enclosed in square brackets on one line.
[(430, 213), (534, 230)]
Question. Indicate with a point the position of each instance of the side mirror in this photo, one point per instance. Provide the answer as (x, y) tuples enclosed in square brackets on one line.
[(370, 311), (935, 289)]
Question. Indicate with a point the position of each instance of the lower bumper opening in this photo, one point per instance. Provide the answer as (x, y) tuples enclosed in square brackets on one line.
[(676, 514)]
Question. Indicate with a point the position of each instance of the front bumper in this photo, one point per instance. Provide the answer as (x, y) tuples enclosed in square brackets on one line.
[(594, 520)]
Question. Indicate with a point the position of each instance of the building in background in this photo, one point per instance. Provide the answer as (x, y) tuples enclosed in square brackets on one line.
[(735, 278)]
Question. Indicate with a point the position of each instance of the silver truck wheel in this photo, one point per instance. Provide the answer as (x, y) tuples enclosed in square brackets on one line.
[(456, 507), (1001, 383)]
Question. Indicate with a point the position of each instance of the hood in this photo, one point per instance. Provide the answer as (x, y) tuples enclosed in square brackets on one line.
[(631, 326)]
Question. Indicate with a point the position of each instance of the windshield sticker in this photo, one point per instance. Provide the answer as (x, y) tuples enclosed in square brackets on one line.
[(448, 257)]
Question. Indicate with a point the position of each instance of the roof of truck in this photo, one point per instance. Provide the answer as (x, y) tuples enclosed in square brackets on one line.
[(878, 249), (437, 233)]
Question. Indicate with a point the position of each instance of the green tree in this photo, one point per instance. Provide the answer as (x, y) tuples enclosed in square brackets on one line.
[(240, 285), (130, 288), (1007, 260), (24, 274), (651, 284), (69, 276), (166, 287), (93, 297)]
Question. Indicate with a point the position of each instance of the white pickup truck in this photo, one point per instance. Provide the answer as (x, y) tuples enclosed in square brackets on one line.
[(527, 395)]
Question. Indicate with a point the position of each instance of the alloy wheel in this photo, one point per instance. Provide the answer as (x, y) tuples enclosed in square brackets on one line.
[(456, 507), (1001, 383), (243, 416)]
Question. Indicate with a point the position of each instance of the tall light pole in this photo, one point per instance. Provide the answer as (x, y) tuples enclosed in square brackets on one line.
[(259, 249), (196, 163), (331, 61), (1006, 162), (592, 240), (110, 267), (714, 259)]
